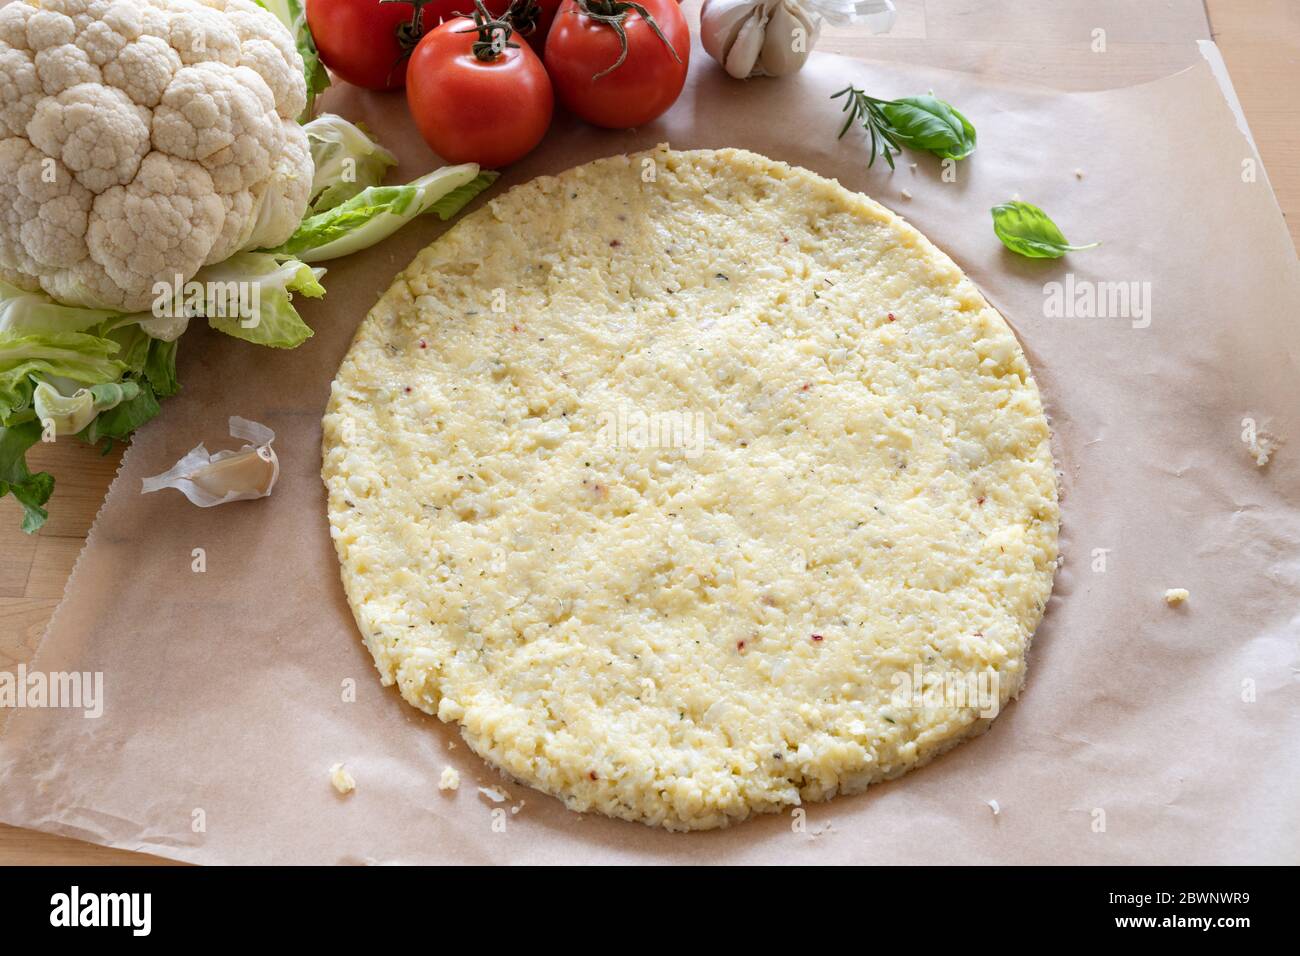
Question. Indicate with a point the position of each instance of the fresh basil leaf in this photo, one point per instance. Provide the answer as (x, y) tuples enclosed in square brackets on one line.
[(1028, 231), (31, 491), (918, 122), (928, 123)]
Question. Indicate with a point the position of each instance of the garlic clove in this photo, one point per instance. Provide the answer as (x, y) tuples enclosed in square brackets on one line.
[(252, 470), (217, 479), (720, 23), (791, 32), (742, 58)]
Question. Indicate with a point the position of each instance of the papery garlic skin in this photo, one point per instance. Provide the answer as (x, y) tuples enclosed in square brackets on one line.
[(217, 479), (758, 37), (878, 16)]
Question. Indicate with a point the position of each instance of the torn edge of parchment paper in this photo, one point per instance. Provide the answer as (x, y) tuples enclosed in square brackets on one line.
[(218, 479)]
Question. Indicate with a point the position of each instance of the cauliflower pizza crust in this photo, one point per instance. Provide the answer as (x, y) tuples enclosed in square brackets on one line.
[(682, 479)]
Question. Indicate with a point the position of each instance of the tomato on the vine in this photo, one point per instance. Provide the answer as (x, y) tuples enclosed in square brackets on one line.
[(366, 42), (530, 19), (613, 66), (476, 95)]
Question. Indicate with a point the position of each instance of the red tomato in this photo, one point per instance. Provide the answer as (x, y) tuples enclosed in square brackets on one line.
[(361, 40), (472, 109), (643, 86)]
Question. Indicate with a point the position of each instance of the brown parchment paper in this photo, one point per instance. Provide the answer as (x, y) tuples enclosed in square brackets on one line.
[(1145, 734)]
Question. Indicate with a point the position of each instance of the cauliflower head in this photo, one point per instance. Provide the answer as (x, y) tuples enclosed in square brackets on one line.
[(144, 139)]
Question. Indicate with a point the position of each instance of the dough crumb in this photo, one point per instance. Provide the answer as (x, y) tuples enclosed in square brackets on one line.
[(519, 806), (1176, 595), (343, 781), (1078, 174), (495, 794), (450, 779), (1261, 448), (907, 194), (993, 805)]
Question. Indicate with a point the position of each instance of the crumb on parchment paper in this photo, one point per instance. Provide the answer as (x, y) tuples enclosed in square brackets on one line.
[(495, 794), (1176, 596), (343, 781), (450, 779), (1261, 447), (994, 806)]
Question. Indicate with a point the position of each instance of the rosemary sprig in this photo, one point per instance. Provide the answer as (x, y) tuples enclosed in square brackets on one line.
[(869, 111)]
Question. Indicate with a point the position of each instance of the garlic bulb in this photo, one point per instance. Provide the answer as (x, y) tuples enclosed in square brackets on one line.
[(758, 37), (774, 37)]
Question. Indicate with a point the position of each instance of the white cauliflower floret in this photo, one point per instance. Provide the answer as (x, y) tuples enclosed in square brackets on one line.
[(237, 226), (13, 24), (156, 22), (141, 139), (45, 210), (63, 67), (96, 130), (166, 221), (143, 69), (81, 11), (20, 90), (264, 59), (223, 118), (283, 204), (260, 45), (123, 17), (101, 43), (48, 29), (205, 36)]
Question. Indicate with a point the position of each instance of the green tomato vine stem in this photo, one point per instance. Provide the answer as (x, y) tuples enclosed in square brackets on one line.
[(493, 35), (614, 14)]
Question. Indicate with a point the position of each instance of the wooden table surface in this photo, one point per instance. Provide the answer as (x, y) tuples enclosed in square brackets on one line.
[(1044, 42)]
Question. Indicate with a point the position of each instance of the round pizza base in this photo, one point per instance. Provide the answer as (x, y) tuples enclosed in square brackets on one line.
[(692, 485)]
